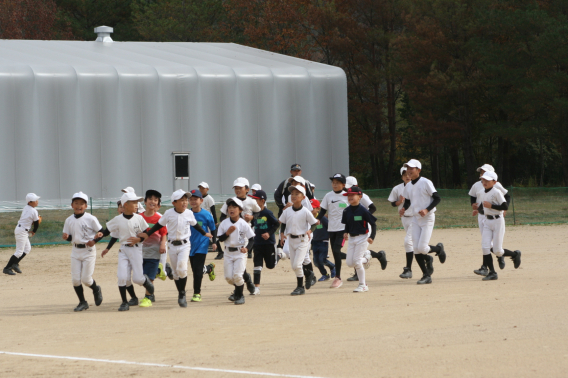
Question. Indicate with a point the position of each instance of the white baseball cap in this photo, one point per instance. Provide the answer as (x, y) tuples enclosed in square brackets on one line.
[(299, 179), (256, 187), (312, 185), (240, 182), (80, 195), (486, 168), (413, 163), (298, 188), (490, 176), (128, 189), (402, 170), (130, 197), (350, 181), (203, 184), (32, 197), (179, 194), (237, 201)]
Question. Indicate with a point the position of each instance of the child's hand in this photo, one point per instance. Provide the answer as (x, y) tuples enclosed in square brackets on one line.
[(214, 247), (32, 233), (244, 250), (208, 235), (370, 241), (265, 236), (249, 217), (475, 206), (104, 253), (504, 212), (282, 240), (162, 248), (486, 204), (475, 212), (65, 236), (230, 230), (288, 205), (423, 212), (90, 243), (99, 235), (401, 212), (134, 240), (345, 236), (309, 233)]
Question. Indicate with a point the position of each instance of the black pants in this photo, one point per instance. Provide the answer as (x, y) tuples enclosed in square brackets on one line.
[(197, 263), (266, 253), (336, 242)]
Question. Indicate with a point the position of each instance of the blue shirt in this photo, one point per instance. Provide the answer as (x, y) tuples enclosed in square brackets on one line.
[(200, 243)]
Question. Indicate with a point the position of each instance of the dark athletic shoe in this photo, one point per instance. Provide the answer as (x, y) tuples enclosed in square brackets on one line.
[(382, 259), (16, 268), (132, 302), (169, 271), (8, 271), (181, 299), (517, 259), (240, 301), (219, 256), (250, 287), (406, 273), (124, 306), (82, 306), (483, 271), (353, 278), (152, 298), (492, 276), (298, 291), (232, 297), (430, 264), (425, 280), (442, 254), (501, 261), (148, 285), (310, 280), (98, 294)]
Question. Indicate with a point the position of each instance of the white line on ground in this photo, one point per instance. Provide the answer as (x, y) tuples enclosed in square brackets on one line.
[(158, 365)]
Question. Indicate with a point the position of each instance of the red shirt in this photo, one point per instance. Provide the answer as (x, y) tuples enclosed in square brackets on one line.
[(151, 246)]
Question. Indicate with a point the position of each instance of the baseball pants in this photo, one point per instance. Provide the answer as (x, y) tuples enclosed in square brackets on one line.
[(407, 224), (235, 264), (492, 236), (130, 266), (299, 248), (356, 249), (286, 250), (22, 242), (83, 265), (179, 255), (422, 228)]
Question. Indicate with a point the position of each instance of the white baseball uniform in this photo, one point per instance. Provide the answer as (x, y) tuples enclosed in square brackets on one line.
[(179, 230), (406, 219), (249, 207), (235, 261), (21, 232), (298, 223), (208, 201), (129, 257), (286, 247), (420, 194), (476, 188), (494, 223), (82, 230)]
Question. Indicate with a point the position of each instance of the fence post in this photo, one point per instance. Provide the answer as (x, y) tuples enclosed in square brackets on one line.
[(91, 201), (513, 203)]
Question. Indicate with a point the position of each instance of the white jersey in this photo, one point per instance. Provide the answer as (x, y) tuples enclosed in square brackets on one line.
[(178, 224), (83, 229), (334, 204), (420, 194), (297, 222), (208, 201), (123, 229), (478, 186), (28, 217), (493, 196), (394, 196), (249, 206), (238, 238), (366, 201), (305, 202)]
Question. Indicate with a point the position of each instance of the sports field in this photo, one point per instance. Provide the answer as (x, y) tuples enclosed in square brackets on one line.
[(457, 327)]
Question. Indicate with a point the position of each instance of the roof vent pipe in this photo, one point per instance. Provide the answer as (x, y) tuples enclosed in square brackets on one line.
[(103, 33)]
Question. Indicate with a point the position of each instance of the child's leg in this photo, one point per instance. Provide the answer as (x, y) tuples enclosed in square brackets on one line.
[(498, 236), (88, 266), (258, 262), (239, 266), (359, 250), (286, 247), (408, 246), (269, 255), (76, 266), (319, 257), (123, 275), (174, 250), (335, 241), (229, 266), (163, 259), (416, 234), (134, 255), (296, 257), (197, 265)]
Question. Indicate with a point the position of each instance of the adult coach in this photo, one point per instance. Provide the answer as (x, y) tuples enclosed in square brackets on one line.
[(282, 194)]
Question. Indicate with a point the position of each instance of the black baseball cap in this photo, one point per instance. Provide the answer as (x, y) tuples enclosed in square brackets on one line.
[(152, 193), (296, 167), (353, 190), (260, 194), (338, 176)]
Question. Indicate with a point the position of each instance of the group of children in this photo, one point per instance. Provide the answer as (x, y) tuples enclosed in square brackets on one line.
[(246, 225)]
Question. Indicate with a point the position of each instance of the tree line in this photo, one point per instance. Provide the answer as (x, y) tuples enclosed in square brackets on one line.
[(454, 83)]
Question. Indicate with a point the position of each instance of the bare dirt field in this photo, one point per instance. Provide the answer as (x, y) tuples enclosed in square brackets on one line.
[(457, 327)]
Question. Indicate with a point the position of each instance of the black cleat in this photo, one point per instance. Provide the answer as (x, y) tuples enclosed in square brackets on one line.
[(382, 259), (152, 298), (125, 307), (250, 287), (240, 301), (148, 285), (353, 278), (501, 261), (169, 271), (492, 276), (181, 299), (249, 255), (132, 302), (314, 280), (82, 306), (406, 273), (232, 297), (425, 280), (430, 264), (8, 271), (483, 271), (298, 291), (442, 254), (309, 280), (517, 260), (219, 256), (16, 268), (98, 294)]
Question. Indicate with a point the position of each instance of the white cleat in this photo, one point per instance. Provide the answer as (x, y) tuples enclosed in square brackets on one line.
[(361, 288)]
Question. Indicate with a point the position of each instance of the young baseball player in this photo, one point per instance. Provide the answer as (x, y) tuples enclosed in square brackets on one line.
[(298, 222), (396, 198), (478, 210), (264, 241), (209, 205), (494, 204), (130, 189), (200, 244), (320, 245), (357, 220), (238, 237), (26, 228), (254, 188), (421, 194), (249, 213), (125, 228), (154, 247), (81, 229), (178, 220), (333, 204)]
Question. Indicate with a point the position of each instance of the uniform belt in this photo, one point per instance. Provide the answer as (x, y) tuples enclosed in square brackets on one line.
[(354, 235), (131, 245), (297, 236), (493, 217), (80, 246), (23, 227), (178, 242), (233, 249)]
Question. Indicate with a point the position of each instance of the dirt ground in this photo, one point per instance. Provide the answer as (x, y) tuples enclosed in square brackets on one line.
[(458, 326)]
